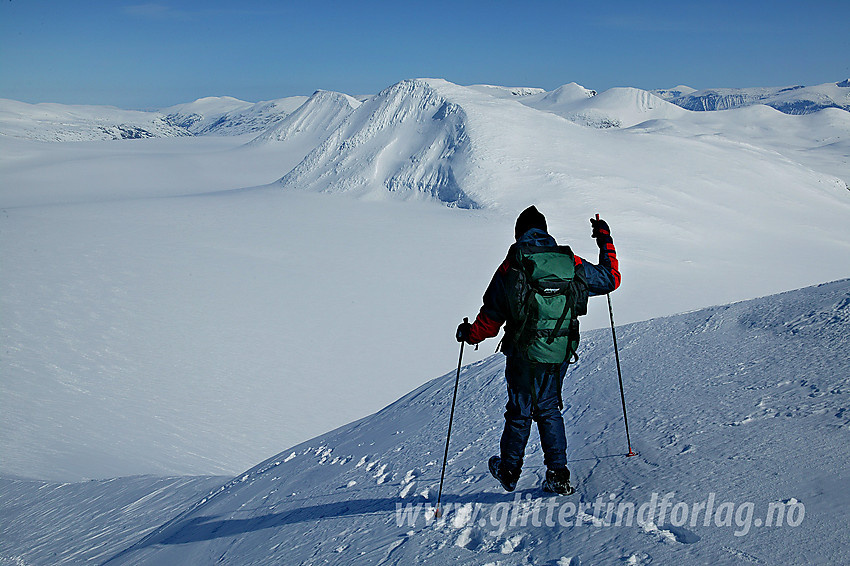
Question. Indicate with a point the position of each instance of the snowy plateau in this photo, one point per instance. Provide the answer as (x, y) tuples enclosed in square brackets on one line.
[(187, 292)]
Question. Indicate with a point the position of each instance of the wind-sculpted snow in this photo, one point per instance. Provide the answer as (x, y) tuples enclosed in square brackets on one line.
[(406, 140), (737, 412)]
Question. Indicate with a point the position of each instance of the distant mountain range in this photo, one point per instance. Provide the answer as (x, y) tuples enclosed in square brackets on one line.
[(230, 116), (796, 99)]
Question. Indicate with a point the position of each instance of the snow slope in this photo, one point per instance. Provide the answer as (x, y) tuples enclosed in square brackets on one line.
[(818, 141), (737, 412)]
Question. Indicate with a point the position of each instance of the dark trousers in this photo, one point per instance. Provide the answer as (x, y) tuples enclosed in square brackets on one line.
[(534, 394)]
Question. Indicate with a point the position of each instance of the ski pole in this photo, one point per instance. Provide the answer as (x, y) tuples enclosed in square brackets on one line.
[(619, 372), (620, 376), (437, 511)]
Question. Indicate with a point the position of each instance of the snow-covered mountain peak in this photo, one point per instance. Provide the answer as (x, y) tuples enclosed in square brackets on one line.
[(208, 104), (564, 94), (405, 140), (619, 107), (320, 115)]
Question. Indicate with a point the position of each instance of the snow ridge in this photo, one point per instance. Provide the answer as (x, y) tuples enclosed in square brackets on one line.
[(406, 140)]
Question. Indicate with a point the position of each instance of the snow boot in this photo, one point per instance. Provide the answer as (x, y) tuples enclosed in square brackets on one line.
[(507, 478), (558, 481)]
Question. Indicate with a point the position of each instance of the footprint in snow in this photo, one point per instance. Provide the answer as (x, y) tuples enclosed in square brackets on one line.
[(637, 559), (470, 538), (405, 491), (411, 475), (670, 533), (511, 544)]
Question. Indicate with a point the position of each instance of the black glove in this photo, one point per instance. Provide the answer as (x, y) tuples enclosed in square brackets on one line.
[(463, 331), (600, 228)]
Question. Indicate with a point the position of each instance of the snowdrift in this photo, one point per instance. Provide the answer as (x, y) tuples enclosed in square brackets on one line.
[(741, 407)]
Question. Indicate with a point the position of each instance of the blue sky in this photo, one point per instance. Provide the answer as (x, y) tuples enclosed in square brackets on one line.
[(136, 54)]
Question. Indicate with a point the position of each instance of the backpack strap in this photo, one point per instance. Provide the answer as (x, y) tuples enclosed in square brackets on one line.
[(569, 306)]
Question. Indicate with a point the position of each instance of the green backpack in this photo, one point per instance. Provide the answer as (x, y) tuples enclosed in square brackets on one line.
[(546, 295)]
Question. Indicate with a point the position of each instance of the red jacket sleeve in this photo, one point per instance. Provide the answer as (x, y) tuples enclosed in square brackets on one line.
[(604, 277)]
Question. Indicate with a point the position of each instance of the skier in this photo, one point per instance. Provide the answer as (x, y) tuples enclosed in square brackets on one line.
[(534, 387)]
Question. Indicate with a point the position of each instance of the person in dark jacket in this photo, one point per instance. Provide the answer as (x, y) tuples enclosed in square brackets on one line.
[(534, 389)]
